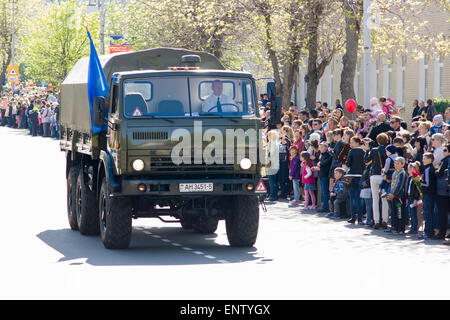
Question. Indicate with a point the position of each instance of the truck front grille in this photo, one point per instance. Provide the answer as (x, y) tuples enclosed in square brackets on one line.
[(165, 164), (150, 135)]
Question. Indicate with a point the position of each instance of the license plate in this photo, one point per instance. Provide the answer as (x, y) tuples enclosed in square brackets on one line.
[(196, 187)]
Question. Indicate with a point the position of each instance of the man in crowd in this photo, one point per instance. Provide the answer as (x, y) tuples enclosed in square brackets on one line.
[(382, 126), (337, 103)]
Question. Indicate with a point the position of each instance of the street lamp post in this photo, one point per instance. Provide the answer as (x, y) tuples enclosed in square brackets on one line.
[(102, 25), (13, 40), (100, 4), (367, 52)]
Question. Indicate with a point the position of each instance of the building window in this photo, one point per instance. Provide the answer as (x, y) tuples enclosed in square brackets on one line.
[(425, 67), (389, 80), (403, 81), (377, 78), (441, 74), (357, 85)]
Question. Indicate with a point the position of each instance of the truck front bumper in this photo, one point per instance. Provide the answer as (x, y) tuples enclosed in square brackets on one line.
[(140, 187)]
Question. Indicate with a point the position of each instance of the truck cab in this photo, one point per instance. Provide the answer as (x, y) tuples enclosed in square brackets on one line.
[(180, 141)]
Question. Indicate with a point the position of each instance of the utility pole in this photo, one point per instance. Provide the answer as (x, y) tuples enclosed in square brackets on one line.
[(101, 7), (13, 34), (367, 53)]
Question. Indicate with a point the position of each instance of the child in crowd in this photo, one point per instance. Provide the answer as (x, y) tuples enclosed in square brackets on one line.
[(402, 150), (338, 194), (330, 139), (413, 194), (438, 120), (388, 170), (323, 167), (366, 192), (298, 141), (308, 180), (294, 174), (406, 136), (396, 196), (428, 186)]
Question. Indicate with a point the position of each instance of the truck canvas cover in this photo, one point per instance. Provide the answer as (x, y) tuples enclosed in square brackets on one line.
[(75, 112)]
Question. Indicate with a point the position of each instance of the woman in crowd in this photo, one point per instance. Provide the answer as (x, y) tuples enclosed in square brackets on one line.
[(377, 159), (420, 146), (424, 132), (273, 163), (287, 137), (355, 163)]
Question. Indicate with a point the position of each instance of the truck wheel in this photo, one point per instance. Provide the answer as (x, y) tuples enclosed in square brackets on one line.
[(206, 226), (115, 220), (186, 225), (71, 196), (86, 208), (242, 222)]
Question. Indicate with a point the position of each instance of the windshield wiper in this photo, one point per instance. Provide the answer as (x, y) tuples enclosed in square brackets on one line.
[(209, 114)]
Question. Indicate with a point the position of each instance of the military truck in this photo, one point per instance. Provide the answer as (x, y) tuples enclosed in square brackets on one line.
[(159, 97)]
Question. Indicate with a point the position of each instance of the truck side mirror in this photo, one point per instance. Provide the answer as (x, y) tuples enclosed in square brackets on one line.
[(99, 108)]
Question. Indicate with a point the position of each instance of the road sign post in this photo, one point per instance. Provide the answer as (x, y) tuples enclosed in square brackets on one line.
[(13, 74)]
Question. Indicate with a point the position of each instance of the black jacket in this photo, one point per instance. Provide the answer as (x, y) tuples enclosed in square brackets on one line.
[(428, 183), (355, 161), (376, 155), (415, 111), (442, 176), (325, 164), (364, 182), (382, 127), (412, 190), (399, 190)]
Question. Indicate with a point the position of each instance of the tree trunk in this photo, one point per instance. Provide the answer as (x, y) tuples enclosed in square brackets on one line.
[(288, 82), (4, 66), (312, 82), (315, 69), (349, 60)]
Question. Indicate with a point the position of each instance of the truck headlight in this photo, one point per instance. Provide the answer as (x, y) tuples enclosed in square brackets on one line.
[(245, 164), (138, 165)]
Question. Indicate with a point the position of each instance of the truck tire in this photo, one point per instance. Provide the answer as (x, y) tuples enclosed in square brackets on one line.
[(207, 225), (242, 222), (114, 219), (71, 196), (86, 208), (186, 225)]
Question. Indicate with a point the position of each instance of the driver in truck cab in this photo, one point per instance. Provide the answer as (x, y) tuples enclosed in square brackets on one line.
[(218, 102)]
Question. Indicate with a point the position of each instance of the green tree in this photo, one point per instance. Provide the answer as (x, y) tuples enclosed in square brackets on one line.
[(5, 40), (56, 40), (213, 26)]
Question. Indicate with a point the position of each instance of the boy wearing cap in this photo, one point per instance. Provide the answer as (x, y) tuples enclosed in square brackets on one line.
[(438, 120), (397, 198)]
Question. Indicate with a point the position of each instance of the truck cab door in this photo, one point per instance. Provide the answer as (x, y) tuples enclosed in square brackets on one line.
[(113, 135)]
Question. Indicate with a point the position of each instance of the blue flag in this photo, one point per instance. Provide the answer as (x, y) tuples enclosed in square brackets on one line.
[(97, 85)]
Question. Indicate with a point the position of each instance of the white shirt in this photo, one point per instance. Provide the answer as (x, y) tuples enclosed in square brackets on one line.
[(225, 102), (438, 156)]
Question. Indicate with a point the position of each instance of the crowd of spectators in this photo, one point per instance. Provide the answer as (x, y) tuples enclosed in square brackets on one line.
[(35, 109), (367, 167)]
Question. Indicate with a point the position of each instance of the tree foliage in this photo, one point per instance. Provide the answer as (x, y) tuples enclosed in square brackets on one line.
[(266, 37), (56, 40)]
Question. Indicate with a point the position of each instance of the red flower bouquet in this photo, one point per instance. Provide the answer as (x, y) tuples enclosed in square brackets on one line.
[(416, 178)]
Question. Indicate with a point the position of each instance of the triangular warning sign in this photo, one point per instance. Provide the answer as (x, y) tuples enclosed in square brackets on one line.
[(260, 188), (12, 72), (136, 112)]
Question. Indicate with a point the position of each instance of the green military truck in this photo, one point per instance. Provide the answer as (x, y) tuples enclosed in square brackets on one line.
[(164, 110)]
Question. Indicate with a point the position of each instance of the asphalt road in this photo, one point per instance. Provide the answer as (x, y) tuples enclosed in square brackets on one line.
[(297, 255)]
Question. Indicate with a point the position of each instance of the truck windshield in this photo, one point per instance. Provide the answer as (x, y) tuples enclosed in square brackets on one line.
[(188, 97)]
